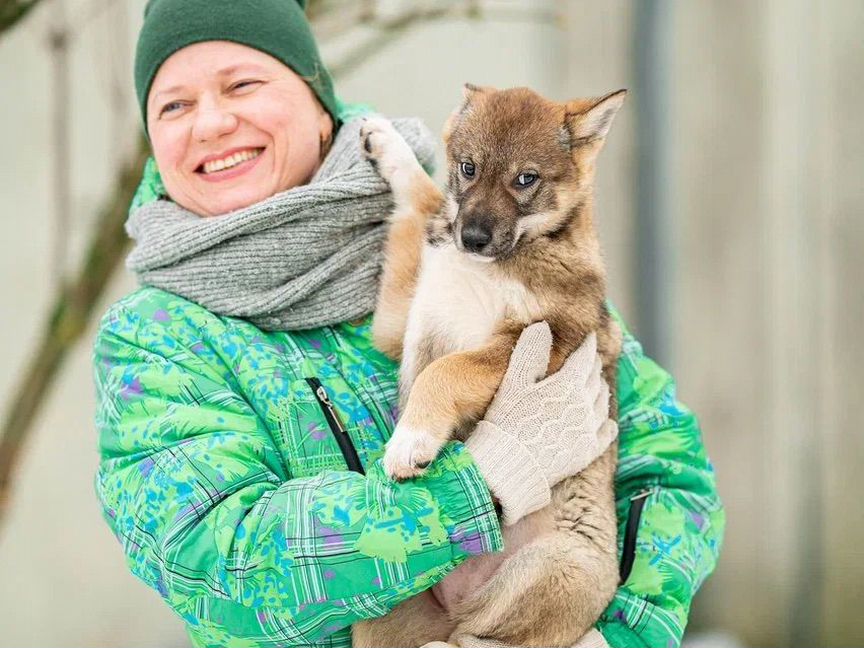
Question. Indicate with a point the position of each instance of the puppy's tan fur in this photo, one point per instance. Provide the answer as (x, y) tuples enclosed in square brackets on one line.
[(451, 307)]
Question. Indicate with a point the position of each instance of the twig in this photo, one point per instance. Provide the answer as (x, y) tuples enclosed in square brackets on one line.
[(386, 32), (11, 11), (91, 13), (59, 50)]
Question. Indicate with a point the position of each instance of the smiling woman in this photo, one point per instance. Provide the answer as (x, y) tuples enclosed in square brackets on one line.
[(239, 396), (231, 125), (242, 408)]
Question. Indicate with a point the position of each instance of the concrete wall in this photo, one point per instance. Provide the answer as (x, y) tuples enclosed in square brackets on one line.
[(768, 211)]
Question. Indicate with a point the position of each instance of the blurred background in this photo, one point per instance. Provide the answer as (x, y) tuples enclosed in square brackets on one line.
[(730, 198)]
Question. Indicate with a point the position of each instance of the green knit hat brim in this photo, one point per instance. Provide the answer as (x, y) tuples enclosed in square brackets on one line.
[(276, 27)]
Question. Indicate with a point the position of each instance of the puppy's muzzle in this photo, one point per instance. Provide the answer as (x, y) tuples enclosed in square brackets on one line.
[(476, 236)]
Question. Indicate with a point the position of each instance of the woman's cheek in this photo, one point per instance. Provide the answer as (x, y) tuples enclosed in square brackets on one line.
[(168, 149)]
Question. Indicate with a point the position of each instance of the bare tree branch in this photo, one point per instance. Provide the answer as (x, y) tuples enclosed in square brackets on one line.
[(11, 11), (72, 310), (387, 31), (61, 143)]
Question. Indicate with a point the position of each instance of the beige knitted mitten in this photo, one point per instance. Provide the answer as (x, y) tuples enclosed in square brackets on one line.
[(540, 430)]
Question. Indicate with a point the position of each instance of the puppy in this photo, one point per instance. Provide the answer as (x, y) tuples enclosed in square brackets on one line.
[(510, 243)]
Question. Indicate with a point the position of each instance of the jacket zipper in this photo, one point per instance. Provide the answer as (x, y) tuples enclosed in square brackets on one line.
[(349, 452), (628, 554)]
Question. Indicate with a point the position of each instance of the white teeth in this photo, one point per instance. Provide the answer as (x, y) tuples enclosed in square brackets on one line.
[(231, 161)]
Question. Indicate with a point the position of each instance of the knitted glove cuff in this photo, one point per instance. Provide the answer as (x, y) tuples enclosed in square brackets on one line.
[(510, 471)]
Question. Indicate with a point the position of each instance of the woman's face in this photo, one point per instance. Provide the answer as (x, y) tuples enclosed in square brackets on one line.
[(231, 126)]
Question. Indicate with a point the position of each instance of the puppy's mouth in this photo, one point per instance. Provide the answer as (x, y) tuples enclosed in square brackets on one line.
[(479, 257)]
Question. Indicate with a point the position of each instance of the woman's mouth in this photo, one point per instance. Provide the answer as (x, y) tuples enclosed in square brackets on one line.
[(229, 166)]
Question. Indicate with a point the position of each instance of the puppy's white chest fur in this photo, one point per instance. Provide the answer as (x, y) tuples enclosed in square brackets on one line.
[(458, 304)]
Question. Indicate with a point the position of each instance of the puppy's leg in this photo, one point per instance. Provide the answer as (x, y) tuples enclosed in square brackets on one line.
[(453, 390), (413, 623), (520, 615), (416, 199), (550, 592)]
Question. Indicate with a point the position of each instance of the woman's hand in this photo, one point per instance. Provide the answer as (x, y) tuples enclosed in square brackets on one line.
[(540, 430)]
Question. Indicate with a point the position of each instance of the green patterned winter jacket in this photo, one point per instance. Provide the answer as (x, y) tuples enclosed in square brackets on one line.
[(240, 472)]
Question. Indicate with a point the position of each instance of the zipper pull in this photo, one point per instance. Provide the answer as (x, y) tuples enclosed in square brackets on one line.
[(325, 399), (642, 494), (322, 394)]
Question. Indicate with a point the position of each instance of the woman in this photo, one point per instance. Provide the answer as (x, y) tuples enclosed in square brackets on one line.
[(242, 407)]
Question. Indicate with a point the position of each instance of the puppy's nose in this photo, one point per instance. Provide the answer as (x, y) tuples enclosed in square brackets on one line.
[(475, 237)]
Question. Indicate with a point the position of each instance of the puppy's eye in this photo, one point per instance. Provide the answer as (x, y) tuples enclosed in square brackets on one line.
[(467, 169), (525, 180)]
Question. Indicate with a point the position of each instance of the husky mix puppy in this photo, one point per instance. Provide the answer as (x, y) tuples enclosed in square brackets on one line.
[(511, 242)]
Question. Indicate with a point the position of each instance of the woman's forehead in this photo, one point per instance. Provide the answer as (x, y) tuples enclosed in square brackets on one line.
[(211, 60)]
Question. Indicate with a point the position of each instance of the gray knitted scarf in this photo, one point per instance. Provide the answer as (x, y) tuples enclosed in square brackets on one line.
[(307, 257)]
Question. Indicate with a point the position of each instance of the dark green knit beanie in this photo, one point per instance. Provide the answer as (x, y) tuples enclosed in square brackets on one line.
[(276, 27)]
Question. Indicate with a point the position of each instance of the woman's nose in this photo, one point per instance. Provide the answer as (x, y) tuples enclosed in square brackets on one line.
[(212, 120)]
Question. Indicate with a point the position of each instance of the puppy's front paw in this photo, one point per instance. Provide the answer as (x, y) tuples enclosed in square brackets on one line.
[(389, 152), (409, 452)]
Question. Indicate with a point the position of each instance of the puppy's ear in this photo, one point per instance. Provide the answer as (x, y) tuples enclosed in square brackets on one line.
[(469, 93), (589, 120)]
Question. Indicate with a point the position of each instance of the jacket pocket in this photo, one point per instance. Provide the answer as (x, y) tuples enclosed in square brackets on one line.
[(628, 552), (346, 446)]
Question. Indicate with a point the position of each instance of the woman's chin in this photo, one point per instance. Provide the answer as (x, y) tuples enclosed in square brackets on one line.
[(216, 203)]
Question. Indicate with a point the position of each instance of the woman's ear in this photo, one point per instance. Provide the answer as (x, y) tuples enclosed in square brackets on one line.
[(325, 130)]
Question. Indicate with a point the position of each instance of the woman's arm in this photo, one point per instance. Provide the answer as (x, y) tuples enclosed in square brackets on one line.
[(194, 488), (670, 518)]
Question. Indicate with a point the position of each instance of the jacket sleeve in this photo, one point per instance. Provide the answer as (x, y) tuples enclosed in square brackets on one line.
[(666, 494), (194, 488)]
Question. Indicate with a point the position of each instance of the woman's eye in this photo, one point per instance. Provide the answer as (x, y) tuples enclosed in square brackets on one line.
[(467, 169), (525, 180), (170, 107), (246, 84)]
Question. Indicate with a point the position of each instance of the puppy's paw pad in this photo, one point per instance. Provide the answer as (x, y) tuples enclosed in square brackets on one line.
[(376, 134), (386, 149), (409, 452)]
